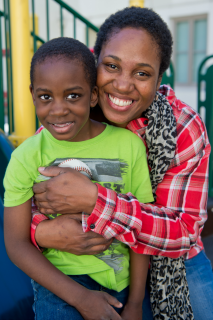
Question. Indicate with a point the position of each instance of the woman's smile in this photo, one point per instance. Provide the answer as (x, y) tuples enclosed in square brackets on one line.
[(119, 104)]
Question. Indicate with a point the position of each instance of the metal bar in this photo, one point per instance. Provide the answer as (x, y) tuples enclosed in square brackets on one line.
[(34, 39), (77, 15), (9, 106), (87, 36), (11, 70), (37, 38), (24, 114), (74, 27), (61, 20), (1, 85), (47, 18)]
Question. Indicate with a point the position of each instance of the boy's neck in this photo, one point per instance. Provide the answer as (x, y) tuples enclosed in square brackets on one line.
[(96, 128)]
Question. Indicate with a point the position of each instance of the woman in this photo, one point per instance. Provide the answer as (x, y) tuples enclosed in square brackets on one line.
[(133, 49)]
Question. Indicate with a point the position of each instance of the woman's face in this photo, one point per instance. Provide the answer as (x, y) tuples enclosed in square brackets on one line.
[(128, 75)]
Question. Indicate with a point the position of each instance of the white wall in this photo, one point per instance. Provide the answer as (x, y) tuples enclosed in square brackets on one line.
[(171, 9)]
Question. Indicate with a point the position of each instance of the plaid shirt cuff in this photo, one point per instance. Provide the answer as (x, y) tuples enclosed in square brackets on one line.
[(109, 220), (37, 217), (102, 214)]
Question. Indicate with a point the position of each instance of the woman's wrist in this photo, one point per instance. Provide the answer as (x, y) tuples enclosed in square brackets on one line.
[(92, 199), (42, 234)]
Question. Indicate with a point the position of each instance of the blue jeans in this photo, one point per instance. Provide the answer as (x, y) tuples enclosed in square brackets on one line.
[(47, 306), (200, 280)]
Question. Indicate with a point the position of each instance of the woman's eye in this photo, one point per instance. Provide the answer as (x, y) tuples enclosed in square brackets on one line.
[(141, 74), (45, 97), (73, 96), (111, 66)]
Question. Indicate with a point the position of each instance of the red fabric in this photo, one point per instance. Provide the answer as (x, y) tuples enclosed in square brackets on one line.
[(37, 217), (172, 226)]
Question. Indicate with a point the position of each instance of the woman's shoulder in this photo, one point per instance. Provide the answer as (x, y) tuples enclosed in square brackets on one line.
[(186, 117)]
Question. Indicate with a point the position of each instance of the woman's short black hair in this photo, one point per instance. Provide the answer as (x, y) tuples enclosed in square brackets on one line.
[(69, 49), (144, 18)]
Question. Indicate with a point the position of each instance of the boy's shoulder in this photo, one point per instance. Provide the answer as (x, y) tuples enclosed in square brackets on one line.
[(124, 133), (30, 145)]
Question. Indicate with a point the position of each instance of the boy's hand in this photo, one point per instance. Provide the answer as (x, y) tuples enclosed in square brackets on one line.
[(98, 306), (132, 311)]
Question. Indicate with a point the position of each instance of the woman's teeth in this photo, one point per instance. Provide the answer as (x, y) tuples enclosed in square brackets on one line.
[(120, 102), (62, 125)]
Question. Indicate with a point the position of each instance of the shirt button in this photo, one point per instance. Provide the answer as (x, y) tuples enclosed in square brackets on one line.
[(145, 122), (92, 226)]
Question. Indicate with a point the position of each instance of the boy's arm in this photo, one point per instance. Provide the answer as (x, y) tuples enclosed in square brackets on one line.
[(139, 264), (23, 254)]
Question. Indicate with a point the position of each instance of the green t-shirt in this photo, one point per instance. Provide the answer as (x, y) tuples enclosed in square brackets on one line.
[(117, 159)]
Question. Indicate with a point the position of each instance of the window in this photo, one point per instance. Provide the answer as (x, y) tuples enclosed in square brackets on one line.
[(189, 48)]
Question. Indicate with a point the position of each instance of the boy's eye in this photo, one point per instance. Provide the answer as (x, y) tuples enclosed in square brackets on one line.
[(45, 97), (73, 96)]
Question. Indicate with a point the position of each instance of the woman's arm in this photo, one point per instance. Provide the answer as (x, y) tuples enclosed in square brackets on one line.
[(172, 226), (91, 304), (139, 264)]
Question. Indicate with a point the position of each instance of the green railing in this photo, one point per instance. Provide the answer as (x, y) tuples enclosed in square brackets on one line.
[(6, 83), (205, 103), (62, 6), (169, 76)]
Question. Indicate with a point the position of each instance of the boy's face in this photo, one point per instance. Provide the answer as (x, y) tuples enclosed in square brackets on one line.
[(62, 97)]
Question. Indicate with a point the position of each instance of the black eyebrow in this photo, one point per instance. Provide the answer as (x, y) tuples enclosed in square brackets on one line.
[(43, 89), (73, 88), (138, 64), (113, 57), (68, 89), (144, 65)]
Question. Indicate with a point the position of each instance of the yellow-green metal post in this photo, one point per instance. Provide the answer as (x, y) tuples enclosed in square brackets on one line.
[(136, 3), (24, 113)]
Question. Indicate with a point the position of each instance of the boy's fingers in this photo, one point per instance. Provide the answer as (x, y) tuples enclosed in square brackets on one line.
[(113, 301)]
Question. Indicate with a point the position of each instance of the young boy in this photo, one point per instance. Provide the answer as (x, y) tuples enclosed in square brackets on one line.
[(63, 78)]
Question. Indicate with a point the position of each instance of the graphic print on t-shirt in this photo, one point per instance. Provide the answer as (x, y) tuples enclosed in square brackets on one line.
[(107, 172)]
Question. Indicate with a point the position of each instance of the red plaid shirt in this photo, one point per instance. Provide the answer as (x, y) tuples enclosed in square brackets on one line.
[(172, 225)]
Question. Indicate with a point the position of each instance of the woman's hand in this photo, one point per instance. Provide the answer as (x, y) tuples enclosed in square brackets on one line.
[(65, 233), (132, 311), (68, 191), (98, 306)]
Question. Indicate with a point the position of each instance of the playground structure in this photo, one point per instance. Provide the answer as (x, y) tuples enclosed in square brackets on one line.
[(20, 42)]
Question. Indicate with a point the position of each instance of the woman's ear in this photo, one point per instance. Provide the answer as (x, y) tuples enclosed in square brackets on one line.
[(32, 93), (94, 97)]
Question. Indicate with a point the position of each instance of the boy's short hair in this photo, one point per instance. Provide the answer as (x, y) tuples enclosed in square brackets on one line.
[(67, 48), (144, 18)]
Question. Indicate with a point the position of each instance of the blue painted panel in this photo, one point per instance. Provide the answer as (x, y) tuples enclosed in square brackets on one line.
[(16, 294)]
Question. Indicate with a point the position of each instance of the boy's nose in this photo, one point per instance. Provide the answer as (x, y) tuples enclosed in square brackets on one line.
[(59, 109)]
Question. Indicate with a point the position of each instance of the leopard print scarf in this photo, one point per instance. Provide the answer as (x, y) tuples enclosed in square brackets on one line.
[(169, 292)]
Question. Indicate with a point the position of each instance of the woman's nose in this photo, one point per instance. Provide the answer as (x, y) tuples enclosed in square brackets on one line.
[(123, 85)]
